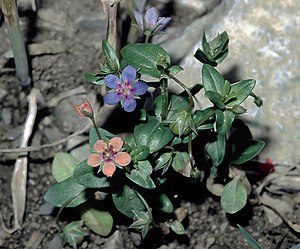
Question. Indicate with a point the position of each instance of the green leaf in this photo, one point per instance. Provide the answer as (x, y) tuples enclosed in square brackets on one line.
[(110, 56), (152, 134), (164, 162), (250, 150), (146, 57), (63, 192), (63, 165), (200, 116), (177, 227), (216, 99), (252, 242), (99, 221), (142, 221), (93, 78), (175, 69), (166, 204), (234, 196), (87, 176), (127, 201), (280, 242), (73, 233), (180, 161), (216, 150), (224, 121), (141, 175), (139, 153), (213, 80), (296, 246), (241, 90)]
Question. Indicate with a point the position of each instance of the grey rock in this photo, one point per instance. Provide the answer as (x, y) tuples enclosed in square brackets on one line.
[(6, 116), (115, 241), (3, 93), (264, 45)]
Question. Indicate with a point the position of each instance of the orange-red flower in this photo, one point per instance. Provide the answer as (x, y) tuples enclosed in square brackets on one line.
[(84, 109), (109, 155)]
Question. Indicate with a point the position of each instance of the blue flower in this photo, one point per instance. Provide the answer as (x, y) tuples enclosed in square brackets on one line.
[(151, 22), (125, 90)]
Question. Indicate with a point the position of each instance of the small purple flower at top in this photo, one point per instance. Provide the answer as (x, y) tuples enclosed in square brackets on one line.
[(124, 90), (151, 22)]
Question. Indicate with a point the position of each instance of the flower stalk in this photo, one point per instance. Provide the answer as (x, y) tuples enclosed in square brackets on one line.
[(164, 98)]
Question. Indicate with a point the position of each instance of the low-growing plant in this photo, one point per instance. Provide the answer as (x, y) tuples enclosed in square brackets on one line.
[(172, 140)]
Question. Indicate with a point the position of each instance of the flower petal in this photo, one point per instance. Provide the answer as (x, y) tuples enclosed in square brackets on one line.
[(139, 88), (111, 81), (128, 74), (100, 146), (94, 160), (122, 158), (112, 98), (139, 20), (151, 17), (116, 143), (78, 111), (129, 104), (162, 22), (108, 169)]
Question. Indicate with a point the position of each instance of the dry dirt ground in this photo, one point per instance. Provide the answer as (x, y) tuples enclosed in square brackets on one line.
[(207, 226)]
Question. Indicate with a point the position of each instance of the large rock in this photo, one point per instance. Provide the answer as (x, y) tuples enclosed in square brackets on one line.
[(264, 45)]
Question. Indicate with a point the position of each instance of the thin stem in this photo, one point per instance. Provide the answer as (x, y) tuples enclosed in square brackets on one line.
[(190, 150), (97, 131), (147, 38), (164, 98), (191, 102), (64, 205), (145, 203)]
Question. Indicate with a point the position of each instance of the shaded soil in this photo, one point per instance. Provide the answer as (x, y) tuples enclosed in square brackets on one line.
[(207, 226)]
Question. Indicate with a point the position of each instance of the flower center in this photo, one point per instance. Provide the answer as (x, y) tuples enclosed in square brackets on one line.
[(124, 89), (108, 153)]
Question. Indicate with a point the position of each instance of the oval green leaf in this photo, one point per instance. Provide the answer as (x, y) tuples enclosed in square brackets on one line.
[(64, 191), (88, 177), (99, 221), (250, 150), (128, 200), (177, 227), (216, 150), (234, 196), (63, 166)]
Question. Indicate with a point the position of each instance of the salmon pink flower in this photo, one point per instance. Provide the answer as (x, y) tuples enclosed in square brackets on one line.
[(108, 156), (84, 109), (151, 23), (124, 90)]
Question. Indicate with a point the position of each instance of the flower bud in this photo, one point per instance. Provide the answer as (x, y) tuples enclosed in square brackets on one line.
[(238, 109), (84, 109), (182, 123)]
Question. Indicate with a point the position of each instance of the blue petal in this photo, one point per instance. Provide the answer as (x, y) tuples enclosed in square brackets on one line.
[(139, 88), (151, 17), (162, 22), (111, 81), (129, 104), (139, 20), (129, 74), (112, 98)]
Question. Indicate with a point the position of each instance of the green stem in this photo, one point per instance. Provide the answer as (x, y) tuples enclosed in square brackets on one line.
[(10, 12), (191, 102), (95, 126), (164, 98), (190, 150), (145, 204), (64, 205)]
